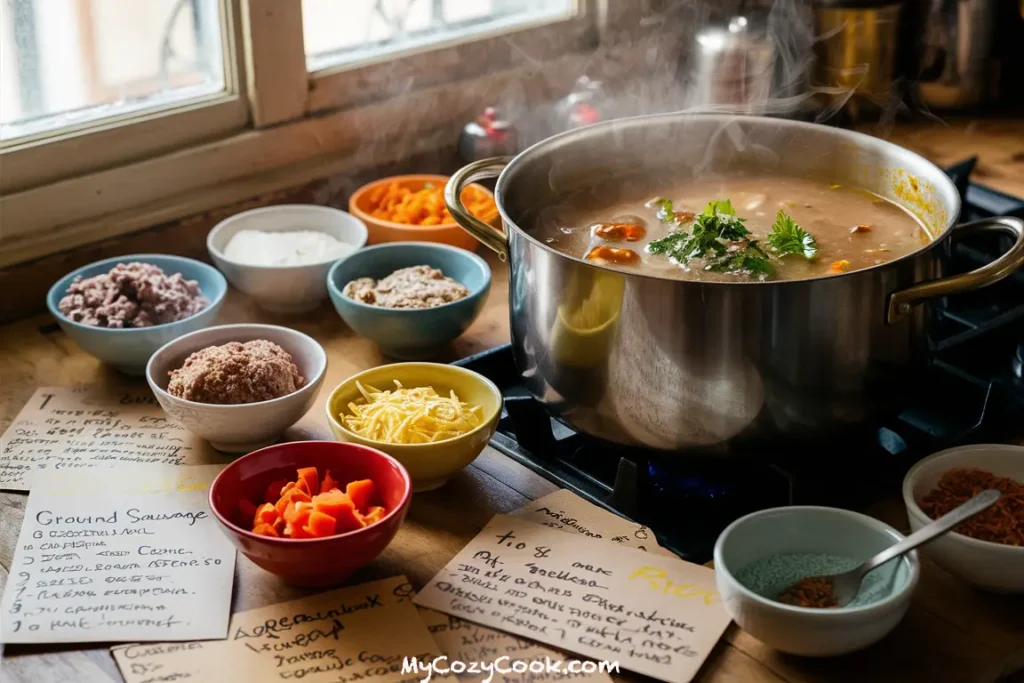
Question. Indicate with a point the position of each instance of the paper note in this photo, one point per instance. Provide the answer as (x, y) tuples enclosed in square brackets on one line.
[(563, 510), (362, 632), (566, 511), (655, 615), (464, 641), (63, 428), (136, 556)]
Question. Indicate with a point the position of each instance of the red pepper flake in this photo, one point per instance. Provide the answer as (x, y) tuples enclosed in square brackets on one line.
[(612, 255), (860, 227), (815, 591), (1002, 523), (619, 231)]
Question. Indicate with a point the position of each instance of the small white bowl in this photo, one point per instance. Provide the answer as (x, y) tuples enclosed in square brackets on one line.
[(247, 426), (284, 289), (804, 630), (991, 566)]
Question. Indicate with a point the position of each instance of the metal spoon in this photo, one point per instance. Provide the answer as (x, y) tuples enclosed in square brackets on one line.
[(845, 586)]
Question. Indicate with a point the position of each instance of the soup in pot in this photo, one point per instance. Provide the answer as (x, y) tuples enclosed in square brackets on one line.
[(734, 229)]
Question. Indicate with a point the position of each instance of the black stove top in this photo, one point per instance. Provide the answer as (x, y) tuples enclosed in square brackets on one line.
[(972, 393)]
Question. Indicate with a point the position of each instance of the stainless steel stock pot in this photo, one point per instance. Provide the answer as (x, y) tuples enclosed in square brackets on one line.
[(684, 365)]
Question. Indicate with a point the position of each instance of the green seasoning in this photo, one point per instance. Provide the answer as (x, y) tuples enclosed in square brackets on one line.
[(720, 238), (773, 573)]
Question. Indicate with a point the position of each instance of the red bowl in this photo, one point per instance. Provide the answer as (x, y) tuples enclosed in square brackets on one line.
[(311, 561)]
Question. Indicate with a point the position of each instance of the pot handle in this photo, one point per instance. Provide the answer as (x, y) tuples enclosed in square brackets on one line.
[(478, 170), (901, 301)]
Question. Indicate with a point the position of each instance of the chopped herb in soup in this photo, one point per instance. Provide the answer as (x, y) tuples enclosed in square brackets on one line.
[(736, 229)]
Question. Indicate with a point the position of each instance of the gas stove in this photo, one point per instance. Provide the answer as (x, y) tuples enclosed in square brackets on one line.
[(973, 392)]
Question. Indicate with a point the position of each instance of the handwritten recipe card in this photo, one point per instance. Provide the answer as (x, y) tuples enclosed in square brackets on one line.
[(360, 633), (81, 428), (136, 556), (655, 615), (566, 511)]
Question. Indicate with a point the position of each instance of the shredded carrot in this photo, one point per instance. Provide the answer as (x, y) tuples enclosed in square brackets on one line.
[(815, 591), (839, 266), (398, 204), (1001, 523)]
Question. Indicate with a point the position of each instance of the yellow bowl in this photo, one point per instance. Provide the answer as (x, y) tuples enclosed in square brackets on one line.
[(429, 464)]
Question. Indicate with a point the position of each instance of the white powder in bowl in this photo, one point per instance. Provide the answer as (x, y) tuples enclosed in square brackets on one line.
[(286, 248)]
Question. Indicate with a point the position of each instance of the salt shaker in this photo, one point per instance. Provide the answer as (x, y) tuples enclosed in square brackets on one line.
[(488, 136)]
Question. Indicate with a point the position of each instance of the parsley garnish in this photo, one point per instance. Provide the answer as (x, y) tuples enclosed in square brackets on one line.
[(720, 238), (720, 206), (786, 237)]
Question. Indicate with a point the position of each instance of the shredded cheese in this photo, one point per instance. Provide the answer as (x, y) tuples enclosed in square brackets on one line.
[(408, 416)]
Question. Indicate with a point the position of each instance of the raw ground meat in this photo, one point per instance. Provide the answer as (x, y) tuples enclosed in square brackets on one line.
[(132, 295), (413, 287), (236, 372)]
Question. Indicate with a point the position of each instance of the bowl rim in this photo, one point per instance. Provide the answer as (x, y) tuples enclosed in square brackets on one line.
[(336, 291), (897, 596), (274, 208), (163, 393), (132, 258), (410, 447), (913, 509), (403, 504), (406, 227)]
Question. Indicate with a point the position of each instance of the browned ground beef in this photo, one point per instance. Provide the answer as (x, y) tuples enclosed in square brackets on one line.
[(132, 295), (413, 287), (236, 373)]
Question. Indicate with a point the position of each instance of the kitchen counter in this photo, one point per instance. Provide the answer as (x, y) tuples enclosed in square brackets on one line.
[(951, 633)]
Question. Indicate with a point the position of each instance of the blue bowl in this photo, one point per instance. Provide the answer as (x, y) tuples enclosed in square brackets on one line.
[(410, 333), (129, 349)]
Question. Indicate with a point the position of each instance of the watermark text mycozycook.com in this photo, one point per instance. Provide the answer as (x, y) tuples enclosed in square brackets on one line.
[(535, 668)]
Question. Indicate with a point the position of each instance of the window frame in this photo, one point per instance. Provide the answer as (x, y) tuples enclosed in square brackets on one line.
[(45, 157)]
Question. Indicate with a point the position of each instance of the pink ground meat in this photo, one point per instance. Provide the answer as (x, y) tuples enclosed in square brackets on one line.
[(132, 295), (236, 372)]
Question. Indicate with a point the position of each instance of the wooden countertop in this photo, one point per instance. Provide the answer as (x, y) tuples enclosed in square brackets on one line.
[(951, 634)]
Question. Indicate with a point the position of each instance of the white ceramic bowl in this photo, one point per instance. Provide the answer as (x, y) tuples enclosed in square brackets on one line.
[(244, 427), (284, 289), (803, 630), (990, 566)]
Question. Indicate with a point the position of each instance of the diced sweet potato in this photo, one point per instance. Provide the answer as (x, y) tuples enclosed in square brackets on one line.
[(309, 480), (320, 524), (333, 504), (246, 511), (266, 514), (297, 513), (361, 493), (265, 530), (273, 491), (296, 495), (328, 484), (374, 515), (295, 531)]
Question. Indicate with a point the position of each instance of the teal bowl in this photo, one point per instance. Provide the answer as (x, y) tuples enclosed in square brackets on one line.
[(129, 349), (410, 333)]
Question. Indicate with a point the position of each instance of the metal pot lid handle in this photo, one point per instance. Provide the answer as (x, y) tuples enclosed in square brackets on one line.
[(478, 170), (901, 301)]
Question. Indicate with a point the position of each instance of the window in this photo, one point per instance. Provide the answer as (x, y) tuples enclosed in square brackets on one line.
[(68, 63), (337, 34), (120, 114)]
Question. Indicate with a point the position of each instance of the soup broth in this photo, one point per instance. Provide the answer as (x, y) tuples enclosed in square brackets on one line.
[(771, 228)]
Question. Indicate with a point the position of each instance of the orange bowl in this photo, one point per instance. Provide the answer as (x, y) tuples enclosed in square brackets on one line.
[(380, 230)]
